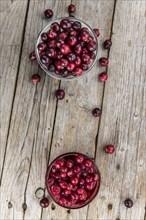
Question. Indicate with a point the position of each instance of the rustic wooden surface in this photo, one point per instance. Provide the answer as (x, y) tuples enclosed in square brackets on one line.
[(35, 128)]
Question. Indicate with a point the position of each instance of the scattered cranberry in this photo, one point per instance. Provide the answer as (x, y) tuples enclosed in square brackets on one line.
[(60, 94), (48, 13), (107, 44), (71, 8), (44, 202), (96, 112), (128, 203), (32, 56), (103, 61), (109, 149), (76, 25), (35, 78), (96, 32), (103, 76), (44, 37)]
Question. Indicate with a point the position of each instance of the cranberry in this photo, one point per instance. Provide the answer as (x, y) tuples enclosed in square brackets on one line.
[(32, 56), (77, 169), (42, 47), (91, 46), (96, 177), (59, 65), (128, 203), (71, 57), (74, 188), (51, 52), (78, 49), (96, 112), (44, 37), (83, 167), (103, 76), (84, 173), (84, 29), (84, 50), (84, 36), (57, 175), (91, 170), (109, 149), (69, 163), (44, 202), (73, 33), (63, 175), (60, 162), (107, 44), (83, 196), (96, 32), (60, 94), (79, 159), (67, 192), (90, 186), (71, 66), (89, 179), (76, 25), (55, 26), (65, 24), (70, 173), (71, 8), (71, 40), (74, 180), (78, 71), (59, 42), (92, 55), (48, 13), (62, 201), (64, 73), (74, 196), (84, 66), (51, 181), (88, 194), (58, 55), (63, 35), (80, 191), (65, 49), (63, 184), (35, 78), (69, 186), (64, 62), (53, 169), (55, 190), (103, 61), (64, 169), (90, 38), (52, 44), (51, 68), (82, 182), (85, 58), (88, 163), (52, 34), (45, 59), (77, 61)]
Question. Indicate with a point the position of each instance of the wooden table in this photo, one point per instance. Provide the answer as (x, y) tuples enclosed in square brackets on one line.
[(35, 128)]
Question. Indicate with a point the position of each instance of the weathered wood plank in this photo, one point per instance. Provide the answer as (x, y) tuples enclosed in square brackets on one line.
[(75, 127), (11, 24), (123, 122)]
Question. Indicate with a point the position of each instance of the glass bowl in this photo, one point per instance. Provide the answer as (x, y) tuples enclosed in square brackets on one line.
[(45, 29), (52, 180)]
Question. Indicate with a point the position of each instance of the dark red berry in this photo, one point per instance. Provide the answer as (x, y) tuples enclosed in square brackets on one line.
[(52, 44), (84, 50), (84, 36), (84, 66), (51, 52), (88, 163), (44, 37), (51, 181), (48, 13), (71, 66), (74, 180), (96, 32), (71, 8), (103, 61), (65, 24), (96, 112), (128, 203), (109, 149), (63, 184), (78, 49), (79, 159), (69, 163), (70, 173), (55, 190), (64, 62), (59, 42), (103, 76), (107, 44), (73, 33), (78, 71), (83, 196), (69, 186), (32, 56), (42, 47), (77, 61), (92, 55), (60, 94), (44, 202), (60, 162), (65, 49), (58, 55), (71, 57), (91, 46), (52, 34), (55, 26), (80, 191), (51, 68), (89, 179), (64, 73), (71, 40), (63, 35), (76, 25), (85, 58), (45, 59), (35, 78)]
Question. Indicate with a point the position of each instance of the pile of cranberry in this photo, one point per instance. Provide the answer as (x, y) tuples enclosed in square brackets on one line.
[(73, 180)]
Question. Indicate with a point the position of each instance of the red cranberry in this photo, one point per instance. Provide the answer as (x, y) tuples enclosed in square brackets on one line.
[(84, 50), (71, 66), (88, 194), (77, 169), (107, 44), (84, 173), (58, 55), (55, 190), (51, 52), (53, 169), (84, 66), (71, 8), (89, 179), (42, 47), (79, 159), (76, 25), (96, 177), (74, 180), (63, 201), (80, 191), (83, 196), (128, 203), (51, 181), (67, 192), (103, 61), (78, 71), (91, 46), (90, 186), (90, 38), (65, 49), (74, 188), (35, 78), (69, 163), (109, 149), (59, 42), (48, 13), (59, 65), (60, 94), (44, 202), (84, 36), (45, 59), (74, 196), (82, 182), (64, 169), (60, 162), (65, 24), (71, 40), (55, 26), (91, 170), (63, 175), (73, 33), (92, 55), (64, 73), (52, 44), (44, 37), (78, 49), (71, 57), (57, 175), (52, 34), (63, 184), (84, 29), (96, 112), (83, 167), (96, 32), (103, 76), (88, 163), (69, 186), (32, 56), (63, 35), (85, 58), (64, 62), (51, 68), (70, 173), (77, 61)]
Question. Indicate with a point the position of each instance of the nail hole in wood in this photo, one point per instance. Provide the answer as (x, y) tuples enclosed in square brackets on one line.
[(110, 206), (9, 205), (24, 206), (53, 207), (67, 101), (118, 166), (68, 211)]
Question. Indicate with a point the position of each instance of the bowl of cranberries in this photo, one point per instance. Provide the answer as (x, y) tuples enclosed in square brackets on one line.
[(72, 180), (66, 48)]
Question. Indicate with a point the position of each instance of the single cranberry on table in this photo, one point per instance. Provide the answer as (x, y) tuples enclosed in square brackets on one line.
[(48, 13), (71, 8), (107, 44), (44, 202), (96, 112), (128, 203), (32, 56), (103, 61), (60, 94), (103, 76), (35, 78), (96, 32), (109, 149)]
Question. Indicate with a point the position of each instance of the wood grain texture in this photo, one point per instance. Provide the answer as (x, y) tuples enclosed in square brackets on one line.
[(12, 20), (75, 127), (123, 121)]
